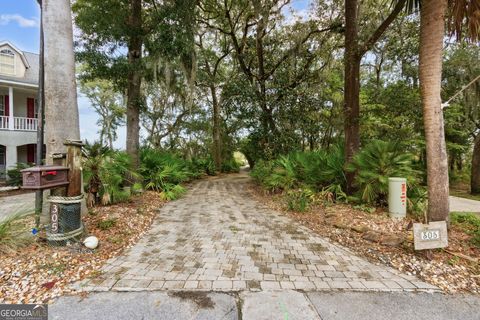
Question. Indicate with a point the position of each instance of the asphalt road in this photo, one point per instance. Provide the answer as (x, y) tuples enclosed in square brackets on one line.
[(286, 305)]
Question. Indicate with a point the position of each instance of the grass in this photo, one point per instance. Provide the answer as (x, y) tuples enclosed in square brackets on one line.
[(462, 190), (470, 222), (107, 224), (464, 194), (56, 268), (14, 232)]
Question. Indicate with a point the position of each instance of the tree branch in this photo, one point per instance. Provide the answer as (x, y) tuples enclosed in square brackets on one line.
[(381, 29)]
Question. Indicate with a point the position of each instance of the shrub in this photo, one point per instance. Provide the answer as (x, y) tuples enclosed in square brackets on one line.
[(15, 176), (160, 169), (200, 166), (230, 165), (374, 164), (318, 170), (137, 188), (283, 175), (164, 172), (333, 193), (106, 173), (417, 199), (116, 172), (322, 168), (172, 192), (300, 199), (261, 171)]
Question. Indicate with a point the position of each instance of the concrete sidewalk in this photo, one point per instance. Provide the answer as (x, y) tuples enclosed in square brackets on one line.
[(250, 305), (20, 203), (464, 205)]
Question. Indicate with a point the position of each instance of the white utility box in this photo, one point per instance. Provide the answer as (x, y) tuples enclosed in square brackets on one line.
[(397, 197)]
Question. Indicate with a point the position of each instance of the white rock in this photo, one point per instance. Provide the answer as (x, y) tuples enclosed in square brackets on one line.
[(91, 242)]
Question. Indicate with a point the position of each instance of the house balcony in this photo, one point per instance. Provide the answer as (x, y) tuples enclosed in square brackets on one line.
[(18, 123)]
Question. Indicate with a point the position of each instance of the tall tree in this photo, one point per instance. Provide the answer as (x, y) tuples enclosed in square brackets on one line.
[(355, 49), (61, 110), (134, 98), (213, 49), (108, 104), (432, 32), (119, 37), (267, 53), (475, 174), (461, 86)]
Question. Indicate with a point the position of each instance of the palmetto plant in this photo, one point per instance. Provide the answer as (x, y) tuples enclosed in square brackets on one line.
[(105, 173), (283, 175), (93, 155), (374, 164), (322, 168), (163, 172)]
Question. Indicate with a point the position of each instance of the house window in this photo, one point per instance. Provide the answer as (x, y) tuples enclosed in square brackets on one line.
[(2, 155), (36, 109), (7, 62), (2, 105)]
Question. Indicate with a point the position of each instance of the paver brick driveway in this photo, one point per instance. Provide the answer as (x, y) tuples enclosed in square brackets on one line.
[(218, 238)]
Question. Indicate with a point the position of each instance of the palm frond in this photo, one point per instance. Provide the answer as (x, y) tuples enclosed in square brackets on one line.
[(464, 19)]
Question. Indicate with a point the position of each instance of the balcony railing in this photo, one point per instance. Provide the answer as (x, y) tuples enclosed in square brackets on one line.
[(4, 122), (19, 123)]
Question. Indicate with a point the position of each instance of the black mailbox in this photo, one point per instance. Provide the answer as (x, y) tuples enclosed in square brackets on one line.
[(44, 177)]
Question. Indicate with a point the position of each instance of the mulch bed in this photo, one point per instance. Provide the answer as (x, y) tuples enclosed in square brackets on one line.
[(379, 238), (38, 272)]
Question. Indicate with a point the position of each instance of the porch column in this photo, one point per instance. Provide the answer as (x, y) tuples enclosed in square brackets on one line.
[(10, 103), (11, 157)]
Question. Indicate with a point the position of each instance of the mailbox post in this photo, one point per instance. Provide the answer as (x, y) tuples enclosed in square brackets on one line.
[(65, 183), (44, 177)]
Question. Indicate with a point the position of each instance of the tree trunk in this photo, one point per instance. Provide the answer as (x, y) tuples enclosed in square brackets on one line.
[(61, 110), (475, 177), (217, 147), (431, 43), (351, 107), (134, 82)]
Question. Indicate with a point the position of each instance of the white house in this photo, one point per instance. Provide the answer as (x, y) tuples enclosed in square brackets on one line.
[(18, 112)]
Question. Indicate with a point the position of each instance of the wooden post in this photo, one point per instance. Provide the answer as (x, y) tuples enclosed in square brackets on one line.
[(58, 159), (74, 164)]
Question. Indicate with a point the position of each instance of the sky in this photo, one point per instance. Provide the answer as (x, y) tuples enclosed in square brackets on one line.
[(19, 24)]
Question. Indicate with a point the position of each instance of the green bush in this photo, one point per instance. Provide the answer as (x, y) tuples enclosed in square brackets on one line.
[(230, 165), (106, 173), (322, 168), (299, 199), (15, 176), (261, 171), (200, 166), (318, 170), (374, 164), (172, 192), (160, 169), (163, 172)]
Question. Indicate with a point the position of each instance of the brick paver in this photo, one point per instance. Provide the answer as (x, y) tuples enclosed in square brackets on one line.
[(218, 238)]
